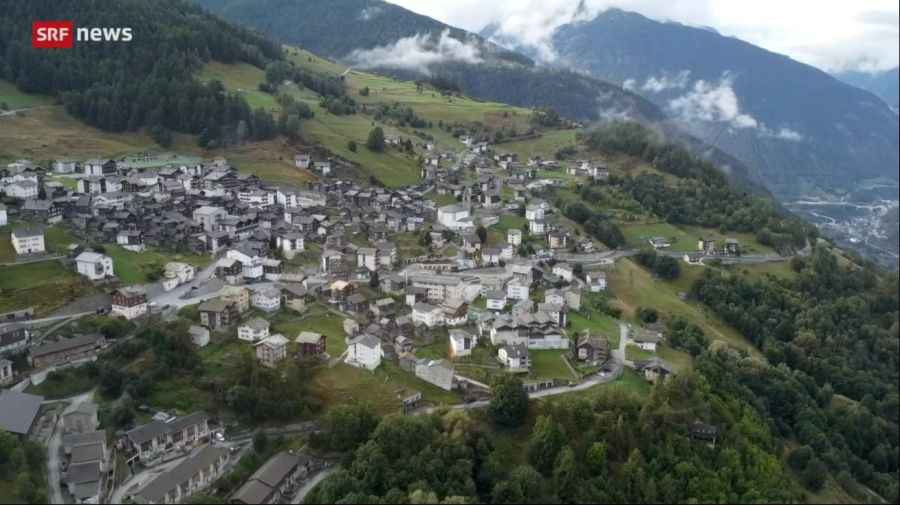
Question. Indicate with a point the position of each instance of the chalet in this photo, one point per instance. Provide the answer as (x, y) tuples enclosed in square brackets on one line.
[(94, 266), (596, 281), (514, 236), (732, 247), (703, 432), (268, 299), (271, 349), (322, 167), (364, 352), (302, 160), (653, 370), (694, 258), (295, 296), (403, 344), (64, 165), (357, 304), (461, 342), (132, 240), (291, 243), (428, 314), (21, 189), (130, 302), (254, 330), (558, 239), (99, 167), (28, 240), (658, 242), (471, 242), (46, 211), (491, 256), (514, 357), (707, 244), (495, 299), (309, 344), (564, 271), (13, 337), (646, 337), (591, 348), (218, 313), (65, 350), (176, 273)]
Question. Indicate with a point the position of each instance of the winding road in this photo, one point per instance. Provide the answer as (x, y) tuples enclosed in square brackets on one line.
[(595, 380)]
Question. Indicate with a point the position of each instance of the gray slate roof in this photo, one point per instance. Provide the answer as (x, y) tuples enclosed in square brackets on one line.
[(18, 411)]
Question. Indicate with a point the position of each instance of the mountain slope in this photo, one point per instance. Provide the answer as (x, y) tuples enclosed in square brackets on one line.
[(804, 131), (379, 35), (337, 27), (885, 85)]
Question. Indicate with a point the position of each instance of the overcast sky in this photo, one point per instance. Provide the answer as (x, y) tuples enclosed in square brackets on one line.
[(833, 35)]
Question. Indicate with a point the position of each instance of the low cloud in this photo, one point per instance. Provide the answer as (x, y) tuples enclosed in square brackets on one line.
[(417, 53), (781, 133), (630, 84), (665, 82), (370, 12), (715, 102)]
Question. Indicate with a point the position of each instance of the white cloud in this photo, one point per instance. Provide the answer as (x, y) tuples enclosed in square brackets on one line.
[(417, 53), (830, 34), (782, 133), (665, 82), (712, 102), (370, 12), (630, 84)]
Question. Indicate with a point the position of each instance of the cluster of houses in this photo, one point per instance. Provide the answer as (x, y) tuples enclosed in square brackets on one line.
[(707, 247)]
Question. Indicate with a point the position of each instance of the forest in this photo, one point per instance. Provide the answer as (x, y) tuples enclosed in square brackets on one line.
[(614, 447), (703, 196), (831, 337), (149, 82)]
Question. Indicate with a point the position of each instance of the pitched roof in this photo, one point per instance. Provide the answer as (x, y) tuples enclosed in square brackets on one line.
[(18, 411), (308, 337), (66, 344), (256, 324)]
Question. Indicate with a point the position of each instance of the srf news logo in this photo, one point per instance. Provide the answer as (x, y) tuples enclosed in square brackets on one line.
[(62, 34)]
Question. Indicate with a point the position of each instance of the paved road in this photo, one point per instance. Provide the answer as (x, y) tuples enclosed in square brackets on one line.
[(594, 380), (311, 483), (54, 448)]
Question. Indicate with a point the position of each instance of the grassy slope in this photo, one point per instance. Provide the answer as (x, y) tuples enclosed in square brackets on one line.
[(131, 267), (15, 99), (634, 288)]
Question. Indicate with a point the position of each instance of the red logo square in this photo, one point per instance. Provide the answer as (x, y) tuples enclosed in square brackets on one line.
[(52, 34)]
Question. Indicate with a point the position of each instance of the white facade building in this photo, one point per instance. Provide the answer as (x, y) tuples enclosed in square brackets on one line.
[(94, 266), (266, 299), (364, 352), (428, 314), (254, 330), (28, 240), (454, 216)]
